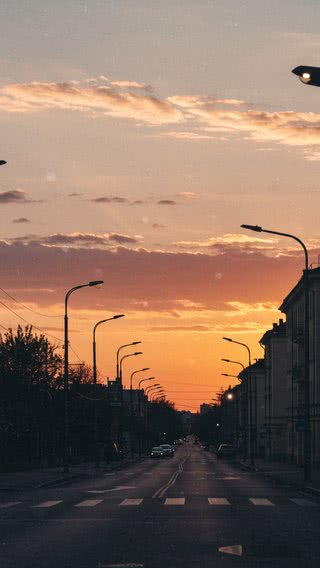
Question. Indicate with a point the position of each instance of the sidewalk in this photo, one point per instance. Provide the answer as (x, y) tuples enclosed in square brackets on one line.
[(285, 474), (37, 478)]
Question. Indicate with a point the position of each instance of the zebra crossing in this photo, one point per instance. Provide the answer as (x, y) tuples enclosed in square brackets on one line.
[(254, 502)]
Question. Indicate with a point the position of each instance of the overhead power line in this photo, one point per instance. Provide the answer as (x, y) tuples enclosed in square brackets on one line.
[(29, 323), (27, 307)]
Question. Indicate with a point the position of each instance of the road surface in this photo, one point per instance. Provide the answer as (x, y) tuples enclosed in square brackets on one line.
[(188, 511)]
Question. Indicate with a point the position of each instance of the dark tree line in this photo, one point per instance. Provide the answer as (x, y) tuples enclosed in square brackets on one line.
[(32, 408)]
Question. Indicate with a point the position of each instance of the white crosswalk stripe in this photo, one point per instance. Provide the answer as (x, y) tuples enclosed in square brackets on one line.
[(261, 502), (10, 504), (89, 503), (218, 501), (303, 502), (46, 504), (130, 502), (175, 501)]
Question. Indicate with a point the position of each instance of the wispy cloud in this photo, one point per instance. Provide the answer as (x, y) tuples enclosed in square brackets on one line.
[(167, 202), (79, 240), (21, 220), (106, 99), (109, 199), (195, 117), (14, 196)]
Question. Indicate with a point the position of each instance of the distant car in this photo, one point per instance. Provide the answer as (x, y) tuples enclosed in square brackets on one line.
[(226, 451), (157, 452), (168, 450)]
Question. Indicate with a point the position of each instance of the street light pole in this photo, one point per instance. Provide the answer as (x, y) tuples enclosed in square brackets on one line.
[(66, 370), (96, 430), (118, 354), (125, 357), (251, 437), (307, 431), (94, 343)]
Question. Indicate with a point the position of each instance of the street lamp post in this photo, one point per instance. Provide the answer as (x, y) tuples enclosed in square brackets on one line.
[(118, 354), (131, 405), (96, 430), (143, 380), (307, 432), (94, 343), (151, 387), (66, 370), (251, 437), (126, 357)]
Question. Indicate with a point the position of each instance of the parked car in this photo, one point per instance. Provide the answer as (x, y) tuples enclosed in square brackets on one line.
[(157, 452), (226, 451), (168, 450)]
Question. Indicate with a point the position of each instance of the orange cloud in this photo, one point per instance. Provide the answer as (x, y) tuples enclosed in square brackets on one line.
[(199, 117)]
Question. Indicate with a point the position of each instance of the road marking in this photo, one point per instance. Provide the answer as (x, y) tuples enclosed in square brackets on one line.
[(130, 502), (262, 502), (218, 501), (164, 488), (303, 502), (119, 488), (235, 549), (46, 504), (89, 503), (10, 504), (175, 501)]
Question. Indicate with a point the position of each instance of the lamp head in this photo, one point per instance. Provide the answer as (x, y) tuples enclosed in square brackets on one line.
[(2, 162), (226, 360), (308, 75), (135, 343), (118, 316), (95, 282), (227, 339), (255, 228), (137, 353)]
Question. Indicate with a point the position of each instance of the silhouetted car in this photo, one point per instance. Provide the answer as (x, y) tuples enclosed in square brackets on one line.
[(226, 451), (156, 452), (167, 450)]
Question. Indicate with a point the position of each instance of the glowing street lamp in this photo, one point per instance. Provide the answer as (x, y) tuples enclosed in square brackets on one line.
[(308, 75)]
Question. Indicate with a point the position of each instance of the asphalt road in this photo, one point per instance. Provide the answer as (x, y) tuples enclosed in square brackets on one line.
[(188, 511)]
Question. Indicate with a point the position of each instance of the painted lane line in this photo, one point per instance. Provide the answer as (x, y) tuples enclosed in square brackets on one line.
[(46, 504), (119, 488), (235, 549), (164, 488), (175, 501), (10, 504), (89, 503), (261, 502), (303, 502), (130, 502), (218, 501)]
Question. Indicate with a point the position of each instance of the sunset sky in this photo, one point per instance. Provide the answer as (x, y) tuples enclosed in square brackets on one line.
[(139, 136)]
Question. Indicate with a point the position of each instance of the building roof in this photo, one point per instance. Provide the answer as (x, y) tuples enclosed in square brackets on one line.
[(295, 293), (278, 331)]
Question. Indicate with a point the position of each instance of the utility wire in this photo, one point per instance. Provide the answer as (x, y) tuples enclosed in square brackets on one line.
[(27, 308), (26, 321)]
